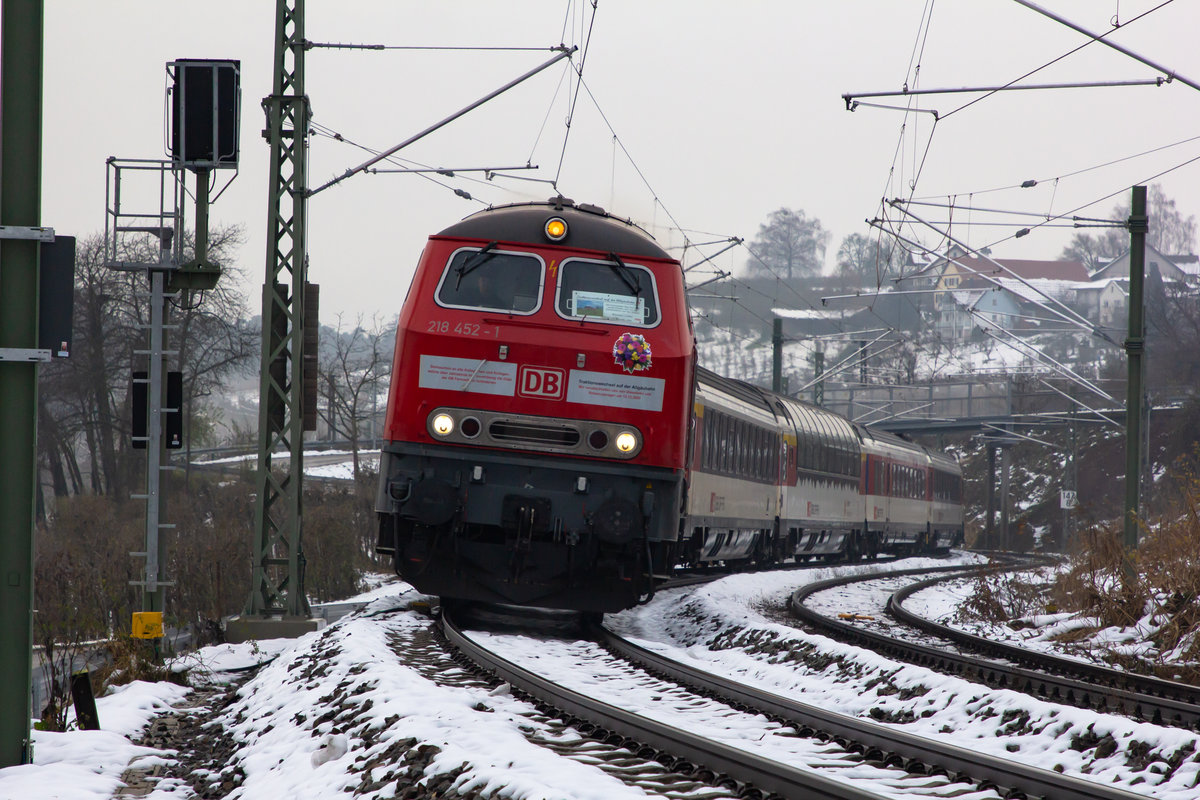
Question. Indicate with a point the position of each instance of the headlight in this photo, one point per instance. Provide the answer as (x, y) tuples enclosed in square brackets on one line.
[(626, 441), (443, 424)]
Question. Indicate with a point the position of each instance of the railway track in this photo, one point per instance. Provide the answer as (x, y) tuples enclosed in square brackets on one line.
[(1043, 675), (756, 762)]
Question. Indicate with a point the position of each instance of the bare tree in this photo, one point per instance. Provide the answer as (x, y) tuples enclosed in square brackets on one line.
[(789, 243), (84, 404), (82, 590), (213, 340), (868, 261), (82, 397), (1096, 250), (1170, 233), (351, 369)]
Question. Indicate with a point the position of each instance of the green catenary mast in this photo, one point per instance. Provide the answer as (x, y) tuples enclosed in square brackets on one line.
[(20, 207), (277, 592)]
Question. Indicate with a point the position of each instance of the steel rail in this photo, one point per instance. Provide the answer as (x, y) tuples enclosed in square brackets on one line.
[(877, 742), (761, 773), (1042, 675), (1143, 696)]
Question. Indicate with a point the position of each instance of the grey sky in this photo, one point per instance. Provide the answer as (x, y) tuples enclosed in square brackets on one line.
[(729, 110)]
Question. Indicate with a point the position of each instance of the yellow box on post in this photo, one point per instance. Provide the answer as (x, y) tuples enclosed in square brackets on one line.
[(147, 625)]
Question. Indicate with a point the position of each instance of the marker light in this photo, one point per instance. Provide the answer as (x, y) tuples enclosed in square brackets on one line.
[(626, 441), (443, 424), (556, 229)]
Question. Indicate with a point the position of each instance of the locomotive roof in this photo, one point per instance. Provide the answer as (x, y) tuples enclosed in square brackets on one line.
[(588, 227)]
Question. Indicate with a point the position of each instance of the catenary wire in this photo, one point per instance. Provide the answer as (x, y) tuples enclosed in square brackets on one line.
[(1070, 52)]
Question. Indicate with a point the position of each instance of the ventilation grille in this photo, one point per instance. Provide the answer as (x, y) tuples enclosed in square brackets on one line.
[(534, 434)]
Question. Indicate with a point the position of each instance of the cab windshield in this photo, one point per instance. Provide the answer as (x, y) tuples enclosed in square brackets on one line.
[(490, 279), (607, 291)]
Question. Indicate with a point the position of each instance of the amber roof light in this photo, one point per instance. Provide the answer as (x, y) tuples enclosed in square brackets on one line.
[(556, 229)]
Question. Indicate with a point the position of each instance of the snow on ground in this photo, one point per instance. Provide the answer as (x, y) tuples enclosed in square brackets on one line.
[(371, 703), (82, 765), (1069, 635), (378, 585), (730, 627), (361, 681), (340, 471), (345, 470)]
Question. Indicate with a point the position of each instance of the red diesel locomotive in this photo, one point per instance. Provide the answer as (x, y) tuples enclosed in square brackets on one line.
[(539, 413)]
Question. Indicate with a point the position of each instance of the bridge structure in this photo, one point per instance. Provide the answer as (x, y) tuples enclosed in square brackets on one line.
[(960, 406)]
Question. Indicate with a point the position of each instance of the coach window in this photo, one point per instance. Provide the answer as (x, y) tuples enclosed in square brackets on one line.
[(764, 454), (851, 453), (804, 438), (812, 441), (726, 450), (709, 440), (728, 425), (482, 278), (614, 291), (760, 451), (712, 432), (739, 447), (714, 460), (743, 447), (753, 469), (822, 444), (801, 441)]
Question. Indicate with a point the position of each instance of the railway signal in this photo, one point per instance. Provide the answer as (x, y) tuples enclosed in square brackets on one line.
[(203, 111)]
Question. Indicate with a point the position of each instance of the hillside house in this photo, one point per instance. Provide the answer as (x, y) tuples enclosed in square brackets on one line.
[(1183, 272), (965, 311)]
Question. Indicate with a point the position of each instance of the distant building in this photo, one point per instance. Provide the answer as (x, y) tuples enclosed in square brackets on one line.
[(959, 292), (974, 271), (1168, 267), (969, 289), (962, 313), (1189, 264), (1104, 302)]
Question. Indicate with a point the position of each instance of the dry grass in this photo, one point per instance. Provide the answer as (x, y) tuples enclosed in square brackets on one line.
[(999, 597), (135, 660), (1154, 590), (1149, 597), (84, 569)]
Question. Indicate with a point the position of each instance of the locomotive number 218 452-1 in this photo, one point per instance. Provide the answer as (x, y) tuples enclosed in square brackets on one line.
[(461, 328)]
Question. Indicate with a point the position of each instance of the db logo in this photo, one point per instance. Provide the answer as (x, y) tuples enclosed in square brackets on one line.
[(541, 382)]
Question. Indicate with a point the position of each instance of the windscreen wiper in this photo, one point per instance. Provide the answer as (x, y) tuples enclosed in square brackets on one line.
[(477, 259), (626, 274)]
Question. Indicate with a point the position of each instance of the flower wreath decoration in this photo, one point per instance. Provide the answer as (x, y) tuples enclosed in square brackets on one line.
[(631, 352)]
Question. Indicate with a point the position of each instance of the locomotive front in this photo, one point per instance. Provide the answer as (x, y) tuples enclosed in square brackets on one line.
[(538, 417)]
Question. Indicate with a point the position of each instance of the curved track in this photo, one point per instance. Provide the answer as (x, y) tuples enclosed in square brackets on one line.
[(1043, 675), (1145, 697), (764, 775), (871, 743)]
